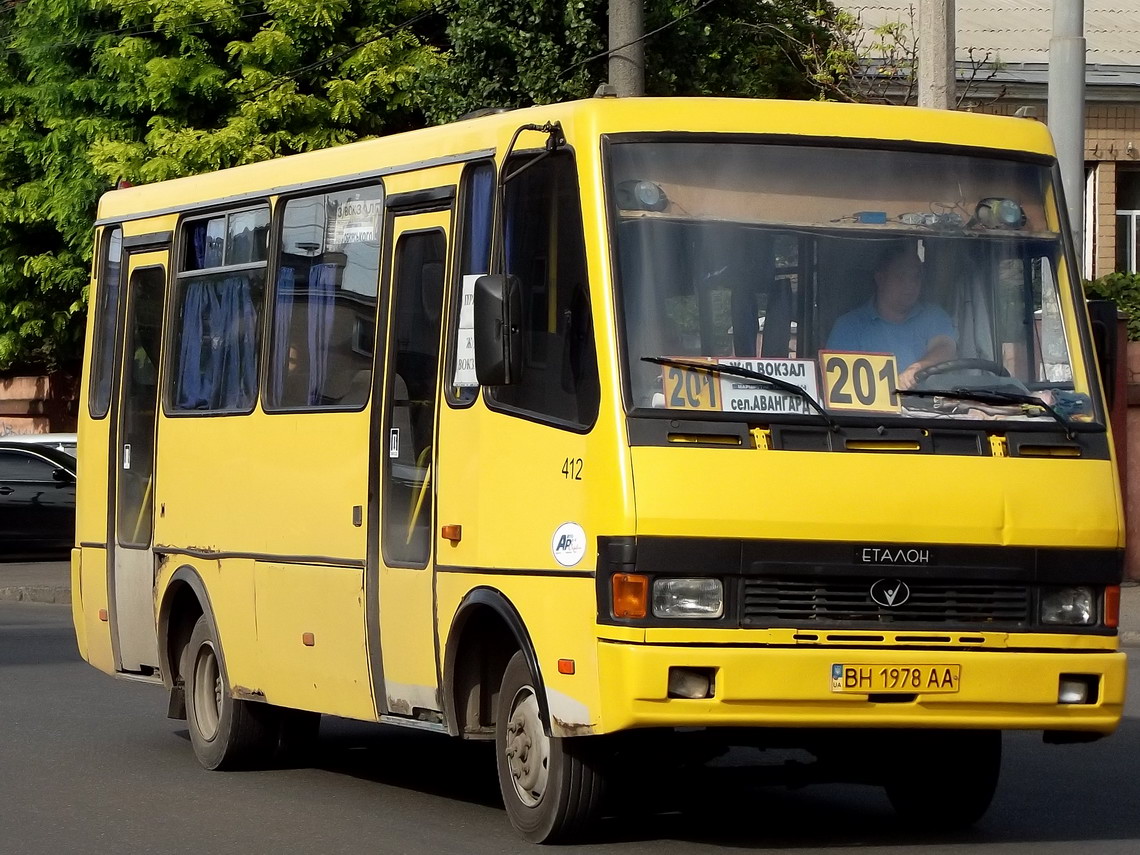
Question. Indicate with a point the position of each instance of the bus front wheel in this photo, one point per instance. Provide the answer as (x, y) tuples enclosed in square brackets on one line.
[(551, 786), (944, 779), (225, 732)]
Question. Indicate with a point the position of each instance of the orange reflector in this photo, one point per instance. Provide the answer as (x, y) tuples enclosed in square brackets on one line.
[(631, 595), (102, 614), (308, 639), (565, 666), (1112, 605), (454, 533)]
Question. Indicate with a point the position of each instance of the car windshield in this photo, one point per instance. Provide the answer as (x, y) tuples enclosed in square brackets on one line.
[(853, 273)]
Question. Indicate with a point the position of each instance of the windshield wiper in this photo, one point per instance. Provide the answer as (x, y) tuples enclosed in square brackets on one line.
[(991, 396), (747, 374)]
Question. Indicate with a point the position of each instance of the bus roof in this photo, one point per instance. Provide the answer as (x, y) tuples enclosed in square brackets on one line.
[(581, 120)]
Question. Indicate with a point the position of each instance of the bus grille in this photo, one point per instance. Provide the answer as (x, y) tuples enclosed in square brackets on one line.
[(770, 602)]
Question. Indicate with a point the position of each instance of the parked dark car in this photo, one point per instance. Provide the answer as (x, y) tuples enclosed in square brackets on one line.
[(37, 501)]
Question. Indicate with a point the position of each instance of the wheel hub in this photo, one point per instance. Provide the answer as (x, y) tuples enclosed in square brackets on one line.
[(527, 749), (207, 692)]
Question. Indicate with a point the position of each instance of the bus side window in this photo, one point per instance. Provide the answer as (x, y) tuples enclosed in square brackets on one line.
[(324, 304), (106, 322), (477, 201), (219, 296), (546, 251)]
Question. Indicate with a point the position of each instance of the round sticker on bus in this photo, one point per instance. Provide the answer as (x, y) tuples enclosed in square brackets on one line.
[(569, 544)]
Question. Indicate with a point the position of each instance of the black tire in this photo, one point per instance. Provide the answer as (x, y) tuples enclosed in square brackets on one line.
[(552, 787), (944, 779), (226, 733)]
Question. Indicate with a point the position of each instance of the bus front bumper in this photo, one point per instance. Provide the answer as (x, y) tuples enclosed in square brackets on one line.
[(797, 687)]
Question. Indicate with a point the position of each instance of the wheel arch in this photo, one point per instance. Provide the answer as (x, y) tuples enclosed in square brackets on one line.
[(183, 602), (484, 621)]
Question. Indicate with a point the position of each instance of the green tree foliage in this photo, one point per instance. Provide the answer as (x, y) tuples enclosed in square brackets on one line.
[(94, 92), (511, 53)]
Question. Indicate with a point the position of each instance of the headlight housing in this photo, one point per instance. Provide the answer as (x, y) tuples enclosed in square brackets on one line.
[(1074, 606), (688, 598)]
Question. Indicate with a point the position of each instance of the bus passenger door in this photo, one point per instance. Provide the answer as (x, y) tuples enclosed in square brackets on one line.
[(417, 250), (132, 455)]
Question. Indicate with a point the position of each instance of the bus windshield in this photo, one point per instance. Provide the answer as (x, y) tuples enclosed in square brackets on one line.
[(873, 279)]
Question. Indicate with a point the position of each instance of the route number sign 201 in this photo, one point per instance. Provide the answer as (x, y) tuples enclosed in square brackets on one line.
[(865, 382)]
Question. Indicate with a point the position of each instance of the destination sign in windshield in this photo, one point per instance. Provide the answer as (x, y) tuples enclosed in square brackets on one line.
[(692, 389)]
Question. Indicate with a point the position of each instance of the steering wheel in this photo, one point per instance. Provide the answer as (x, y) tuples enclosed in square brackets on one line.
[(961, 365)]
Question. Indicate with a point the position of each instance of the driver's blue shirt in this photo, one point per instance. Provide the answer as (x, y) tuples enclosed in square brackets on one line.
[(864, 330)]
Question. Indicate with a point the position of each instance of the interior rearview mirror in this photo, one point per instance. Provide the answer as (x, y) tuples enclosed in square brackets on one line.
[(498, 344)]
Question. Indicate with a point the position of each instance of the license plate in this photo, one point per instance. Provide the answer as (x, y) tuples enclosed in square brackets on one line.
[(910, 679)]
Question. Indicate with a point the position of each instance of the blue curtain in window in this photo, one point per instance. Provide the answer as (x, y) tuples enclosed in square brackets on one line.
[(282, 317), (482, 207), (218, 345)]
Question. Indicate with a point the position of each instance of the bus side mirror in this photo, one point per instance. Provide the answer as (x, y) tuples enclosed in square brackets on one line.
[(498, 341), (1105, 332)]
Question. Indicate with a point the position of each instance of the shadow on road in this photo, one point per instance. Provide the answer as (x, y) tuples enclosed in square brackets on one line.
[(1048, 793)]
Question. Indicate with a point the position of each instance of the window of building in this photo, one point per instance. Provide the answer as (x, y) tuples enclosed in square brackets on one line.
[(545, 251), (217, 310), (1128, 221), (324, 308)]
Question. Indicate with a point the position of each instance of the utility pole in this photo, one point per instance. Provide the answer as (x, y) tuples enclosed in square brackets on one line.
[(936, 54), (1067, 109), (627, 50)]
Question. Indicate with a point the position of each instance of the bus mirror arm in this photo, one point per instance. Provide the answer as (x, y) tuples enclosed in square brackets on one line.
[(498, 345)]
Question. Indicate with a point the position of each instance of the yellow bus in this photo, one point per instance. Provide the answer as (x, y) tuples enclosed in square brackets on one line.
[(756, 422)]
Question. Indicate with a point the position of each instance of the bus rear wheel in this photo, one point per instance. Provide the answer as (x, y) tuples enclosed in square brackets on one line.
[(551, 786), (225, 732), (944, 780)]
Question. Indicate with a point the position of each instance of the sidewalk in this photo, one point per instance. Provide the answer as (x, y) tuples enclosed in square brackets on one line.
[(50, 582), (42, 582)]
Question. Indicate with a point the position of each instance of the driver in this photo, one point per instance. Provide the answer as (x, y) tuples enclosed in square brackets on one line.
[(895, 320)]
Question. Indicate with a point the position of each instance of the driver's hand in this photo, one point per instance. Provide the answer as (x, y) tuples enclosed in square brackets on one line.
[(906, 379)]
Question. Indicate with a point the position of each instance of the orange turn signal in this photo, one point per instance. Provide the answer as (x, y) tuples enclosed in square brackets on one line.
[(565, 666), (1112, 605), (631, 595), (308, 639)]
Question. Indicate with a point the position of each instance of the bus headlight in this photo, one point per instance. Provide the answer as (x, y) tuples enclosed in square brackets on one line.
[(688, 598), (1069, 606)]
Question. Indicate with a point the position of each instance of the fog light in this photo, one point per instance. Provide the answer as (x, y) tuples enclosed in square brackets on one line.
[(1069, 606), (688, 598), (1077, 689), (691, 683)]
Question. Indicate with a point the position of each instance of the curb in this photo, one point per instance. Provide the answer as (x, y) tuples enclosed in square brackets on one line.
[(56, 594)]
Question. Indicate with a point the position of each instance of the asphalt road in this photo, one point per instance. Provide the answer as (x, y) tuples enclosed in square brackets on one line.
[(90, 764)]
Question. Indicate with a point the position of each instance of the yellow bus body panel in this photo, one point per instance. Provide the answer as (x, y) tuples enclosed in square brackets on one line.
[(792, 687), (312, 652), (877, 498)]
